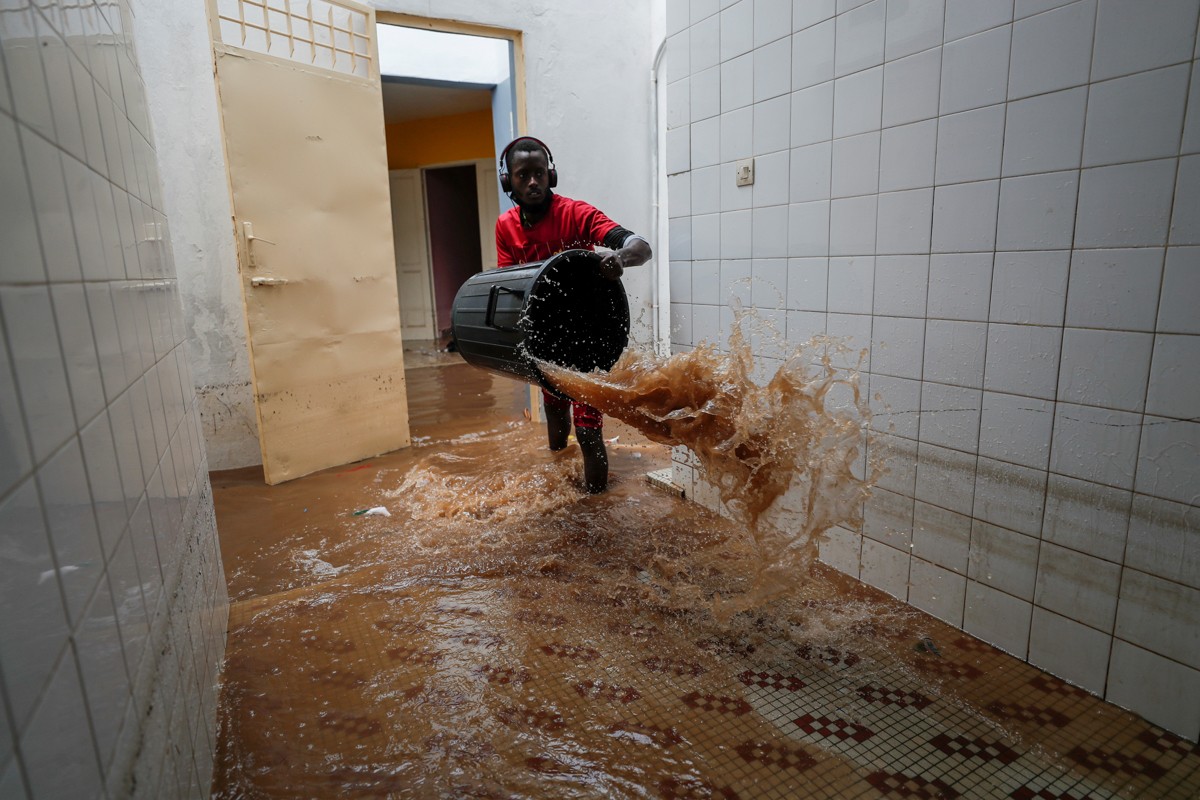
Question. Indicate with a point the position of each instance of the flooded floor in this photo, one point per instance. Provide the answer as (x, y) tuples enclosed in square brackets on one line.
[(502, 634)]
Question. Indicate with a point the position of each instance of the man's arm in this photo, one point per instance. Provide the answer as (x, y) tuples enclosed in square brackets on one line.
[(632, 252)]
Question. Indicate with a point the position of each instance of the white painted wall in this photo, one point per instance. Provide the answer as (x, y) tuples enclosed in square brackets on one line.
[(176, 56), (597, 121)]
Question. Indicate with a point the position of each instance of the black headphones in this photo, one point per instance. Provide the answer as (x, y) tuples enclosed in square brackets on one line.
[(506, 182)]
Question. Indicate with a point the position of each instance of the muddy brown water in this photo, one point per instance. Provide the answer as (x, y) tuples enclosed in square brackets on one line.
[(504, 634)]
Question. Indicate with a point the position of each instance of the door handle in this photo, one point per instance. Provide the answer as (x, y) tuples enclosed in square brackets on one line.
[(248, 228), (268, 281)]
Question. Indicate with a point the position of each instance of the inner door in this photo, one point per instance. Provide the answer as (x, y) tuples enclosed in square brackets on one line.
[(412, 255), (303, 122)]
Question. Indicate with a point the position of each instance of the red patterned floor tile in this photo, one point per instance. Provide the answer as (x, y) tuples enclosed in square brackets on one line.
[(641, 631), (720, 645), (885, 696), (359, 725), (776, 755), (522, 718), (403, 627), (940, 667), (681, 668), (570, 651), (645, 733), (1164, 743), (895, 784), (598, 689), (541, 618), (504, 675), (1100, 760), (336, 646), (413, 655), (833, 728), (977, 748), (715, 702), (1025, 793), (488, 641), (973, 645), (772, 680), (1052, 685), (341, 678)]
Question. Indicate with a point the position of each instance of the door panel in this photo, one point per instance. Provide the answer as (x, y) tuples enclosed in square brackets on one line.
[(412, 254), (304, 142)]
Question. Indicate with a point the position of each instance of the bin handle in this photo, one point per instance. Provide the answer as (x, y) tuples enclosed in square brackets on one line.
[(494, 295)]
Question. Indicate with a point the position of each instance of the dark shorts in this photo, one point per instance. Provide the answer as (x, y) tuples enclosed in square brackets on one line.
[(585, 416)]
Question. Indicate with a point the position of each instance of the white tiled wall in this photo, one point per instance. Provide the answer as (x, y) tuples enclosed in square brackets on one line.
[(112, 598), (1001, 200)]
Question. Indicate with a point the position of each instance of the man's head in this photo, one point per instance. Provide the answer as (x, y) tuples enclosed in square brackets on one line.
[(530, 171)]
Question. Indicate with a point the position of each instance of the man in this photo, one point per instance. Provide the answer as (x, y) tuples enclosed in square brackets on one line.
[(544, 223)]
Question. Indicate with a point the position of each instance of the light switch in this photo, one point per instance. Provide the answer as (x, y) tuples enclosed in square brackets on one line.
[(744, 171)]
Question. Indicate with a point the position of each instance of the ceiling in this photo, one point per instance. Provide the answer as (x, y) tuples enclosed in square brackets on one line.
[(405, 101)]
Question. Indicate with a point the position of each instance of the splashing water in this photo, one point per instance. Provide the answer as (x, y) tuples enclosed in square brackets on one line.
[(782, 455)]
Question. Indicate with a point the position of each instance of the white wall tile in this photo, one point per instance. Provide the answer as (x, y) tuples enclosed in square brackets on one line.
[(960, 286), (1164, 540), (1169, 459), (1073, 652), (860, 38), (1010, 496), (1160, 616), (44, 167), (964, 217), (38, 365), (705, 93), (1185, 229), (1003, 559), (1105, 368), (888, 518), (801, 326), (858, 102), (945, 478), (705, 190), (907, 156), (1044, 133), (855, 165), (57, 747), (1131, 37), (808, 229), (79, 350), (1125, 206), (734, 197), (911, 88), (812, 114), (810, 173), (901, 285), (898, 459), (736, 134), (1030, 287), (680, 233), (1087, 517), (1191, 124), (681, 281), (1181, 287), (737, 83), (705, 44), (770, 227), (1116, 289), (812, 55), (703, 9), (1078, 586), (965, 17), (1135, 118), (895, 405), (706, 325), (706, 282), (1052, 51), (736, 283), (772, 70), (854, 333), (896, 346), (706, 144), (770, 283), (1017, 429), (852, 226), (679, 54), (975, 71), (839, 548), (1156, 700), (737, 29), (21, 260), (937, 591), (1037, 212), (969, 145), (806, 13), (1023, 359), (998, 618), (679, 108), (913, 27), (807, 282), (850, 284), (706, 237), (1174, 384), (954, 352), (772, 126), (736, 233), (1095, 444), (885, 568), (941, 537), (772, 183), (950, 416), (679, 150), (772, 19), (904, 222)]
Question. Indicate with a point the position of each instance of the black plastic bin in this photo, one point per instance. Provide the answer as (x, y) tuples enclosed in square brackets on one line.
[(559, 310)]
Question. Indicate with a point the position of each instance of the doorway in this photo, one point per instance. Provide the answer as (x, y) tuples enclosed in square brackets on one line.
[(455, 251)]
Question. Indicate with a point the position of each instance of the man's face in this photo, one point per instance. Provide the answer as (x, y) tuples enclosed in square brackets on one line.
[(530, 177)]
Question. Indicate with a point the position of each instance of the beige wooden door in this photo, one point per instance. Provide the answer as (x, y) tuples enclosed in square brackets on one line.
[(412, 254), (303, 122)]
